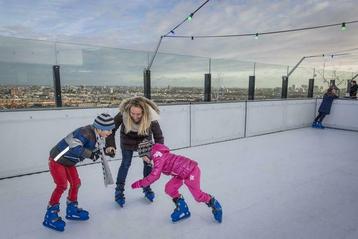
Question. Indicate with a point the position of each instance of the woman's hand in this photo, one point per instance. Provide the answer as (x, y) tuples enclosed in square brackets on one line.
[(110, 151)]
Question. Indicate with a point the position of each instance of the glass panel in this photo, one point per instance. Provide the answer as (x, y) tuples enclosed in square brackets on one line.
[(269, 80), (321, 84), (26, 79), (298, 82), (341, 78), (230, 79), (324, 77), (99, 76), (178, 78)]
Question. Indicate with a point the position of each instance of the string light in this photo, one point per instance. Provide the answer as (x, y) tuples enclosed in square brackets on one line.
[(190, 16), (172, 31), (342, 25)]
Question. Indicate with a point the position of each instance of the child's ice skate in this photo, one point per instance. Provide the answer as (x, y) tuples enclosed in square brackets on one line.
[(181, 211), (320, 125), (314, 124), (73, 212), (216, 209), (52, 220), (149, 194)]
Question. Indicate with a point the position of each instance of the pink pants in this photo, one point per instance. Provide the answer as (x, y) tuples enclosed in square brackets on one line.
[(61, 175), (193, 184)]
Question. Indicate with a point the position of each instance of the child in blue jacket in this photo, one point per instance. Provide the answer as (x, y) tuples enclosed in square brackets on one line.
[(74, 148), (325, 107)]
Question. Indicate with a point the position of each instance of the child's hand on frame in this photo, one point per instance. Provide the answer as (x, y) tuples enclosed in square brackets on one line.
[(146, 159), (95, 155)]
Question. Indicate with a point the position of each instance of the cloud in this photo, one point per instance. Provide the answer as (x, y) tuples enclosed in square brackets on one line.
[(138, 24)]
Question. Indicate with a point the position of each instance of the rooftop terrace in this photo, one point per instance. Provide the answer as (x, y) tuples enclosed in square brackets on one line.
[(275, 176)]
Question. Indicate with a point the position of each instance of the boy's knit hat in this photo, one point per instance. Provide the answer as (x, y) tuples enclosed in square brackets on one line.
[(104, 122), (144, 148)]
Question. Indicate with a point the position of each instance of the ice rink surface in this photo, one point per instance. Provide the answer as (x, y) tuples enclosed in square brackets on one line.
[(293, 184)]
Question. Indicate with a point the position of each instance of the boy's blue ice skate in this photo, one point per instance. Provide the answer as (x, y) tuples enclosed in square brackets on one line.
[(73, 212), (181, 211), (149, 194), (216, 209), (314, 124), (52, 220)]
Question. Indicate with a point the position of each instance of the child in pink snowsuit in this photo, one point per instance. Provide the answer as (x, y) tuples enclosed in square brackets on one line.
[(183, 170)]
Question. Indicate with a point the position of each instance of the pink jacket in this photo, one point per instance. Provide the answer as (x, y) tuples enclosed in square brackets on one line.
[(167, 163)]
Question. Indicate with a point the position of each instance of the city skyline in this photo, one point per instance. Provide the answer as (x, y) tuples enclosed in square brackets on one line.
[(22, 97)]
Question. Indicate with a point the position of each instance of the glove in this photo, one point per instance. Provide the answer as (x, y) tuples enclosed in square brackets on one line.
[(144, 148), (110, 151), (95, 155), (136, 184)]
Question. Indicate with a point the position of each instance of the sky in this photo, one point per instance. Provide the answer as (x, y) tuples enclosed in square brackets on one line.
[(138, 25)]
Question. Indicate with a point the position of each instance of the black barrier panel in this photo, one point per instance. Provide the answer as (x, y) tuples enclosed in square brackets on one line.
[(57, 85), (207, 87), (146, 77)]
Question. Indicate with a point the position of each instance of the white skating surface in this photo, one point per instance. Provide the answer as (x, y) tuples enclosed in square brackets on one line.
[(293, 184)]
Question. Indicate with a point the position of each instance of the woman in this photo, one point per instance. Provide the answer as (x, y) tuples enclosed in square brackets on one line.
[(138, 118)]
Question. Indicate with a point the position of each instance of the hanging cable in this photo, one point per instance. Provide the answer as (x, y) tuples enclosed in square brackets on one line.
[(347, 50), (257, 34), (172, 31), (313, 56)]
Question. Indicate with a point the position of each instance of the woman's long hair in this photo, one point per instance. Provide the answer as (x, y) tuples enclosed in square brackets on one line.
[(142, 103)]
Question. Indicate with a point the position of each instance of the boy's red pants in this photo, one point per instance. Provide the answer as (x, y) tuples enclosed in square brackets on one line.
[(61, 174)]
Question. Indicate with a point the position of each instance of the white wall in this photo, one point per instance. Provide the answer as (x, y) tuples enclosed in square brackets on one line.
[(27, 136), (217, 122), (344, 114), (175, 124), (271, 116), (299, 113)]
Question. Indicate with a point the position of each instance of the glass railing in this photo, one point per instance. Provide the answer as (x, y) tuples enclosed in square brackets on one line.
[(298, 82), (268, 80), (98, 76), (178, 78), (95, 76), (26, 79), (323, 81), (230, 79)]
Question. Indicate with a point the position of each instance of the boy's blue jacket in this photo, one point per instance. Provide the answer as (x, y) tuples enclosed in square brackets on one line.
[(81, 143)]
